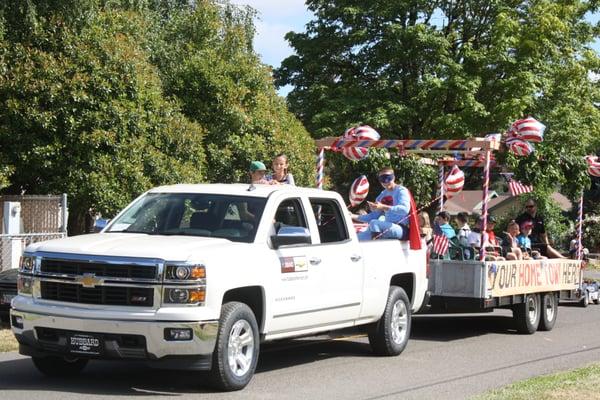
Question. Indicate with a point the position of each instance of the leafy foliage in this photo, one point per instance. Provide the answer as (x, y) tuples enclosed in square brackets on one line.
[(105, 99), (207, 62)]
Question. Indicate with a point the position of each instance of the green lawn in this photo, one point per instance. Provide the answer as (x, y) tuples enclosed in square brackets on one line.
[(582, 383), (7, 339)]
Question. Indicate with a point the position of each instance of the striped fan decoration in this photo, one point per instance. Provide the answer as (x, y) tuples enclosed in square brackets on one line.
[(454, 182), (593, 165), (519, 147), (358, 190), (363, 132), (529, 129)]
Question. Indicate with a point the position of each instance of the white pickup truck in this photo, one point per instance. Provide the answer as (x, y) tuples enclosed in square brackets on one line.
[(197, 276)]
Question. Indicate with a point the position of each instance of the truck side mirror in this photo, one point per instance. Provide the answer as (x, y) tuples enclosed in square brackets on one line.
[(100, 224), (291, 235)]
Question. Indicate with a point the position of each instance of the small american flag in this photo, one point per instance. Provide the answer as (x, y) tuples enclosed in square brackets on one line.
[(440, 244), (515, 187)]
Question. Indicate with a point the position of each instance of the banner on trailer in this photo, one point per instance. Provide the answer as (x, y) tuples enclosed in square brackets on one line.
[(507, 278)]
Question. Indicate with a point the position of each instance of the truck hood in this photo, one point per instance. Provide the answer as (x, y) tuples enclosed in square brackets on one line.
[(172, 248)]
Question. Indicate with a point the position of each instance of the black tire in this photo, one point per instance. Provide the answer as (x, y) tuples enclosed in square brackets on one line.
[(527, 315), (585, 300), (389, 335), (59, 366), (549, 312), (596, 301), (237, 329)]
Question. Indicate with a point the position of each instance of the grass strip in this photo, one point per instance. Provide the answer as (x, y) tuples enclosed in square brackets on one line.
[(581, 383), (7, 339)]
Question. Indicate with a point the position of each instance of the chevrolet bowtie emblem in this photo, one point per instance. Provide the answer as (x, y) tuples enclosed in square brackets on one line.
[(89, 280)]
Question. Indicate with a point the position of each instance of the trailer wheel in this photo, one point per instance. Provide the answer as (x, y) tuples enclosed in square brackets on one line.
[(597, 301), (549, 312), (236, 351), (59, 366), (389, 335), (527, 314)]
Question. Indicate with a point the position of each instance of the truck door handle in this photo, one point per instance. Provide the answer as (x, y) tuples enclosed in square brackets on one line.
[(315, 261), (355, 258)]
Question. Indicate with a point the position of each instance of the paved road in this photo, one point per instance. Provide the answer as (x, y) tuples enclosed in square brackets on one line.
[(447, 357)]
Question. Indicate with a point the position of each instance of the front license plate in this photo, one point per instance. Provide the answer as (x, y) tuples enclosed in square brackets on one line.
[(6, 298), (85, 344)]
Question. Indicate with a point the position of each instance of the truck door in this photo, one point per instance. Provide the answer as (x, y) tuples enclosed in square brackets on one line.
[(318, 283), (292, 301), (337, 263)]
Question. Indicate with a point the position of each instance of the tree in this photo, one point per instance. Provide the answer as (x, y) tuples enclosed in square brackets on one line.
[(104, 99), (83, 113), (207, 62), (454, 69)]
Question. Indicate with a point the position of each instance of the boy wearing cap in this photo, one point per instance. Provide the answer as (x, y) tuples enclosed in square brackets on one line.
[(257, 172)]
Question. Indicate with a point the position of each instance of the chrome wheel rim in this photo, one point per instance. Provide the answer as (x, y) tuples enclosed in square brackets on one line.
[(240, 348), (399, 322), (532, 309)]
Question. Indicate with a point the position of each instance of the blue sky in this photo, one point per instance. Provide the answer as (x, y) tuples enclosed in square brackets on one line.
[(277, 17)]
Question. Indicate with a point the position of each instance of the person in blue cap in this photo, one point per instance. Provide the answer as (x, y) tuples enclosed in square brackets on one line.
[(257, 172)]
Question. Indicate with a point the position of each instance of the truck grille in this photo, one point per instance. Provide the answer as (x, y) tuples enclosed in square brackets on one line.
[(8, 287), (72, 267), (108, 295)]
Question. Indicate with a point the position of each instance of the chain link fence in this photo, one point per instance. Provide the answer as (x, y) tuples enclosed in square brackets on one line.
[(41, 218), (12, 246)]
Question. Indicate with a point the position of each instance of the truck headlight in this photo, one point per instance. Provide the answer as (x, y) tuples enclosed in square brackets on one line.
[(24, 285), (26, 264), (183, 295), (185, 272)]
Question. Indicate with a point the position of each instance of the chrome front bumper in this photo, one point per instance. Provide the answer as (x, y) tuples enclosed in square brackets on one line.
[(46, 335)]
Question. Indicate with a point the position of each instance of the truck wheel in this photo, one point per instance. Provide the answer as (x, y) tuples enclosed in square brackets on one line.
[(549, 312), (527, 314), (585, 300), (59, 366), (236, 352), (389, 335), (596, 301)]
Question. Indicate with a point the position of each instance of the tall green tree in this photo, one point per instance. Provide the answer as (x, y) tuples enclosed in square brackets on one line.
[(83, 112), (208, 63), (454, 69)]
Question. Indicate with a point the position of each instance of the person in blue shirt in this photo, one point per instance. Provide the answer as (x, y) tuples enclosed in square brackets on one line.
[(442, 220), (388, 218)]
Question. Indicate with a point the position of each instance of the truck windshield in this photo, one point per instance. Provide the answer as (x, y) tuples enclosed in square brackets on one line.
[(193, 214)]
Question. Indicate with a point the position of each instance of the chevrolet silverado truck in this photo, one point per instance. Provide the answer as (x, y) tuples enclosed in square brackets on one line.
[(198, 276)]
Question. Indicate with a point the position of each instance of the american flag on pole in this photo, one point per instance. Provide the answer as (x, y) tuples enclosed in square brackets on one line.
[(440, 244), (515, 187)]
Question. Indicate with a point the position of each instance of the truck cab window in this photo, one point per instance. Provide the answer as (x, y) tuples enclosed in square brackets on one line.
[(289, 213), (330, 221)]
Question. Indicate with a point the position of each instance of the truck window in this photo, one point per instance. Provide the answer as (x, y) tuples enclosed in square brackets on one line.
[(193, 214), (289, 213), (332, 227)]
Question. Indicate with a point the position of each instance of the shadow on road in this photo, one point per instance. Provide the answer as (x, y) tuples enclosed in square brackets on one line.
[(446, 328), (134, 379)]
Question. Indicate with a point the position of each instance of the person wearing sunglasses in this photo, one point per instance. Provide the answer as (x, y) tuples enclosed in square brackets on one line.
[(388, 218), (539, 238)]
